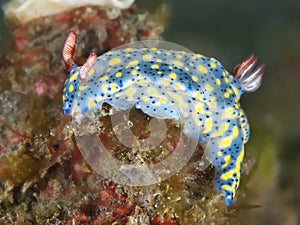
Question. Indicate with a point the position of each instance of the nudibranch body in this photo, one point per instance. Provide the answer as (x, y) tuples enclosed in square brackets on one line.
[(171, 84)]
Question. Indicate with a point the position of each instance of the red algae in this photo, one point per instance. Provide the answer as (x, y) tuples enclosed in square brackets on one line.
[(159, 220)]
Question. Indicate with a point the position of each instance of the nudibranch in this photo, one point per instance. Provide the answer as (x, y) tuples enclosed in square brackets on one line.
[(167, 83)]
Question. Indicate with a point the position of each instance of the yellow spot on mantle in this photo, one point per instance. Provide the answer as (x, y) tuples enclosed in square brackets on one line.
[(222, 129), (209, 87), (196, 56), (173, 75), (145, 99), (91, 103), (176, 97), (183, 105), (235, 90), (152, 91), (177, 85), (177, 63), (83, 87), (227, 160), (104, 88), (163, 99), (196, 120), (226, 95), (230, 110), (241, 156), (227, 175), (114, 61), (195, 78), (118, 74), (225, 142), (226, 187), (213, 65), (235, 131), (71, 88), (229, 90), (166, 81), (98, 98), (113, 86), (90, 72), (199, 95), (130, 91), (208, 125), (147, 56), (199, 109), (202, 69), (73, 76), (155, 66), (103, 78), (132, 63)]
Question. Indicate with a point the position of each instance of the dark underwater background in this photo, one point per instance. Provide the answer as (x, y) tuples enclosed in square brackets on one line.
[(230, 31)]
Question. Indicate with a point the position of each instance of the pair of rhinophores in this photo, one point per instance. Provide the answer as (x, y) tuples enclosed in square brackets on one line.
[(166, 83)]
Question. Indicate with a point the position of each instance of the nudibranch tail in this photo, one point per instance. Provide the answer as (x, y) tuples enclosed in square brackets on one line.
[(85, 68), (68, 50), (249, 73), (226, 153)]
